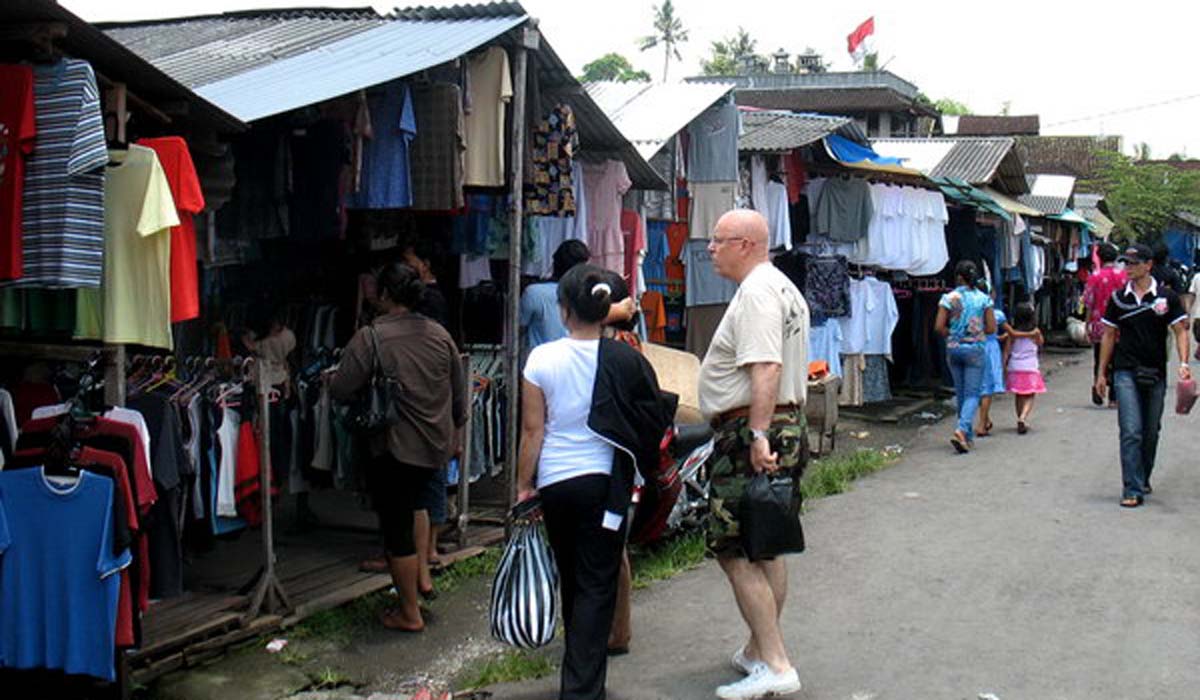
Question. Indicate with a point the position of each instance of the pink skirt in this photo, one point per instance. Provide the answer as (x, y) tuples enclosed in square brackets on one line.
[(1026, 382)]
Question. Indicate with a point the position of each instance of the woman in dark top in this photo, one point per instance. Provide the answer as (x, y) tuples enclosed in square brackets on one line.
[(418, 354)]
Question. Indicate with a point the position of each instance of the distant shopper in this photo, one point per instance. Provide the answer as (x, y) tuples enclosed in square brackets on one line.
[(541, 320), (1021, 359), (1137, 321), (420, 355), (591, 413), (1100, 287), (966, 319)]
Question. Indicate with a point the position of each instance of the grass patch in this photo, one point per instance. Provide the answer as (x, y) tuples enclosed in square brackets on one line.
[(832, 475), (342, 624), (457, 574), (666, 559), (510, 667), (329, 678)]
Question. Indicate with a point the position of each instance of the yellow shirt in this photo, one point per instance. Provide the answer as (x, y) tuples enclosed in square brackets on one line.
[(136, 292), (490, 88)]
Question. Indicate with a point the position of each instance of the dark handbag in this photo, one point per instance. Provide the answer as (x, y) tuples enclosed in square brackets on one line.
[(1147, 377), (769, 516), (377, 407)]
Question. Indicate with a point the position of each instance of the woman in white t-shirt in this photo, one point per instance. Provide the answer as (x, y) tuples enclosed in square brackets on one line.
[(572, 465)]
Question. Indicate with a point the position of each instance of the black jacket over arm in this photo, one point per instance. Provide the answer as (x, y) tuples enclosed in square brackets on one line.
[(630, 411)]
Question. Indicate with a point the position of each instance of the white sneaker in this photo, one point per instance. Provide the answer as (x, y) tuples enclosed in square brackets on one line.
[(762, 682), (744, 664)]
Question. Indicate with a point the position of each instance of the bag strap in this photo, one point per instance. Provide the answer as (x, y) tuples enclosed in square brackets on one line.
[(376, 365)]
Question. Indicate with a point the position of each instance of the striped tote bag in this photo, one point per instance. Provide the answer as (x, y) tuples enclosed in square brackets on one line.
[(524, 610)]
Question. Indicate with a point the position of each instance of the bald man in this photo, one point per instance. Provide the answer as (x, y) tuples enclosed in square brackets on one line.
[(753, 384)]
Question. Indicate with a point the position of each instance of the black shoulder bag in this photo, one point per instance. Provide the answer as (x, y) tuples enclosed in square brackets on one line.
[(377, 407)]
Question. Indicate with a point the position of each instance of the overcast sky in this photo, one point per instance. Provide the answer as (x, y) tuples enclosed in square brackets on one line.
[(1072, 63)]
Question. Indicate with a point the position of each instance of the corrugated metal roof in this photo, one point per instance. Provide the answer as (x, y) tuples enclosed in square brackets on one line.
[(844, 100), (1049, 193), (649, 114), (380, 54), (199, 51), (777, 131), (979, 161), (998, 125), (1009, 204), (116, 62)]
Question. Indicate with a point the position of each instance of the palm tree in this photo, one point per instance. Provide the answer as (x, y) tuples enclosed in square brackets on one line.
[(669, 32)]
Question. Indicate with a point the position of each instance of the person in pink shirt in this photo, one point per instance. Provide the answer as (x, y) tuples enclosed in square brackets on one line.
[(1100, 287)]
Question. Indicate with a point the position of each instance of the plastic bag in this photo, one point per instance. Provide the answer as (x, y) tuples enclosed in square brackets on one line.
[(524, 609), (769, 517), (1185, 396)]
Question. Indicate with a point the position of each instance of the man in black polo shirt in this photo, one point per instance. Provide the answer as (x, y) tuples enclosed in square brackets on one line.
[(1135, 340)]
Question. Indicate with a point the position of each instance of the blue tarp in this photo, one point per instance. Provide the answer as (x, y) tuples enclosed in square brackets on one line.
[(1181, 244), (848, 151)]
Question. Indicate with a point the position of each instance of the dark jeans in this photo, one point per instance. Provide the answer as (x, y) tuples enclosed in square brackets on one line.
[(1139, 414), (589, 559)]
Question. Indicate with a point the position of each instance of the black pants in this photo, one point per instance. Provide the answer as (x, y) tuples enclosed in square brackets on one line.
[(394, 487), (589, 559)]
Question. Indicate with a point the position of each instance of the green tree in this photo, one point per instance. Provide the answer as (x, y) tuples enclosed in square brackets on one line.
[(668, 33), (728, 56), (1143, 197), (613, 66), (951, 107)]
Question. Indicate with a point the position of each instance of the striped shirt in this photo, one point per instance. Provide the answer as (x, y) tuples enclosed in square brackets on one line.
[(63, 230)]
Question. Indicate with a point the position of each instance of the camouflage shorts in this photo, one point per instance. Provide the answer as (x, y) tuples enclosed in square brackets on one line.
[(730, 471)]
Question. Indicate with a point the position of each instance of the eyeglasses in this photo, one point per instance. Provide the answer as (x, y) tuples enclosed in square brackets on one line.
[(718, 240)]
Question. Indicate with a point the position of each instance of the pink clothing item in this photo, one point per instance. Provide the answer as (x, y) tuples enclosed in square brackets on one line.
[(1025, 383), (1100, 288), (635, 242), (1024, 356), (604, 185)]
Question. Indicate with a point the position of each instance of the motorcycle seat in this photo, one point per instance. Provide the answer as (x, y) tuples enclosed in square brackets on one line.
[(689, 436)]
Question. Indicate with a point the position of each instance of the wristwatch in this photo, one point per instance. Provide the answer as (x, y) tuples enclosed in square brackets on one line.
[(759, 434)]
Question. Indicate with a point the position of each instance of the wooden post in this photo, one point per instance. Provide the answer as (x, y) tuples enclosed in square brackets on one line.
[(464, 477), (268, 592), (516, 227)]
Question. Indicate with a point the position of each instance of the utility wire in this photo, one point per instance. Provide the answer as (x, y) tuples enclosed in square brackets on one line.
[(1127, 110)]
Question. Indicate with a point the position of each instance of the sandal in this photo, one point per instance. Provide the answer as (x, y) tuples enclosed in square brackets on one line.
[(985, 431), (959, 441), (1022, 427), (1131, 502)]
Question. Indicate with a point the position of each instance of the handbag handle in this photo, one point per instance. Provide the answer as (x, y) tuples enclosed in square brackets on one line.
[(376, 365)]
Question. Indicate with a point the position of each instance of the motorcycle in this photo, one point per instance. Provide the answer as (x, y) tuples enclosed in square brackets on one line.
[(678, 497)]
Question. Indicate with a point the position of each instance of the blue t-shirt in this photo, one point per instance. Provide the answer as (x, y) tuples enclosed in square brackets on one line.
[(540, 316), (385, 166), (704, 286), (58, 582), (967, 307), (713, 149)]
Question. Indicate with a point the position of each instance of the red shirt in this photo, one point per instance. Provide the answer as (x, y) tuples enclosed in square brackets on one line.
[(635, 242), (17, 131), (189, 200), (1100, 288)]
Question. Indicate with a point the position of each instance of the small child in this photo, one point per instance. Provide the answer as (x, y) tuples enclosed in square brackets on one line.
[(1021, 359), (993, 366)]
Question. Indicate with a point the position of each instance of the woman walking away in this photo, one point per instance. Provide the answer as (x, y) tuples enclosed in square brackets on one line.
[(965, 319), (993, 369), (1021, 358), (591, 413), (420, 356)]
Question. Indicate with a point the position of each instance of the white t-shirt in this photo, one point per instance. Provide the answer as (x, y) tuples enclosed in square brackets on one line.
[(1194, 290), (767, 321), (565, 371)]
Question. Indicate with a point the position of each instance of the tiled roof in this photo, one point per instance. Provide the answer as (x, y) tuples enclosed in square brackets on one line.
[(1066, 155), (775, 131), (980, 125), (979, 161), (849, 100)]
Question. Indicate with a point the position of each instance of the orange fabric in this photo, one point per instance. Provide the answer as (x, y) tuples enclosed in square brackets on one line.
[(655, 313), (677, 235), (818, 369)]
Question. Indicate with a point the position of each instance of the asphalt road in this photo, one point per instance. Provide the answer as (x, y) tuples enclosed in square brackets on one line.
[(1009, 571)]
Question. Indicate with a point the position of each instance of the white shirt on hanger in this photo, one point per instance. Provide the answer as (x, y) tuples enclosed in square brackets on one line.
[(779, 217)]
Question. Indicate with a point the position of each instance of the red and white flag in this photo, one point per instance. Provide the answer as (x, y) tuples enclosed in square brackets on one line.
[(862, 40)]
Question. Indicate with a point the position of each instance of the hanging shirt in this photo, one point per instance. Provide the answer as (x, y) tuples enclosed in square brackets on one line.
[(825, 344), (606, 183), (63, 228), (552, 190), (704, 286), (843, 209), (712, 147), (655, 314), (386, 183), (710, 200), (58, 591), (779, 218), (138, 215), (489, 90), (177, 165), (634, 234), (438, 150), (18, 128)]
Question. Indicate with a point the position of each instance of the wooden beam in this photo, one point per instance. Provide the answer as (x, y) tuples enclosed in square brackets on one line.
[(134, 100), (512, 351)]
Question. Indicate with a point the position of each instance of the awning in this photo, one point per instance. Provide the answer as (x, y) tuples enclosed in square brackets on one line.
[(1009, 204), (853, 155), (964, 193), (1070, 216)]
